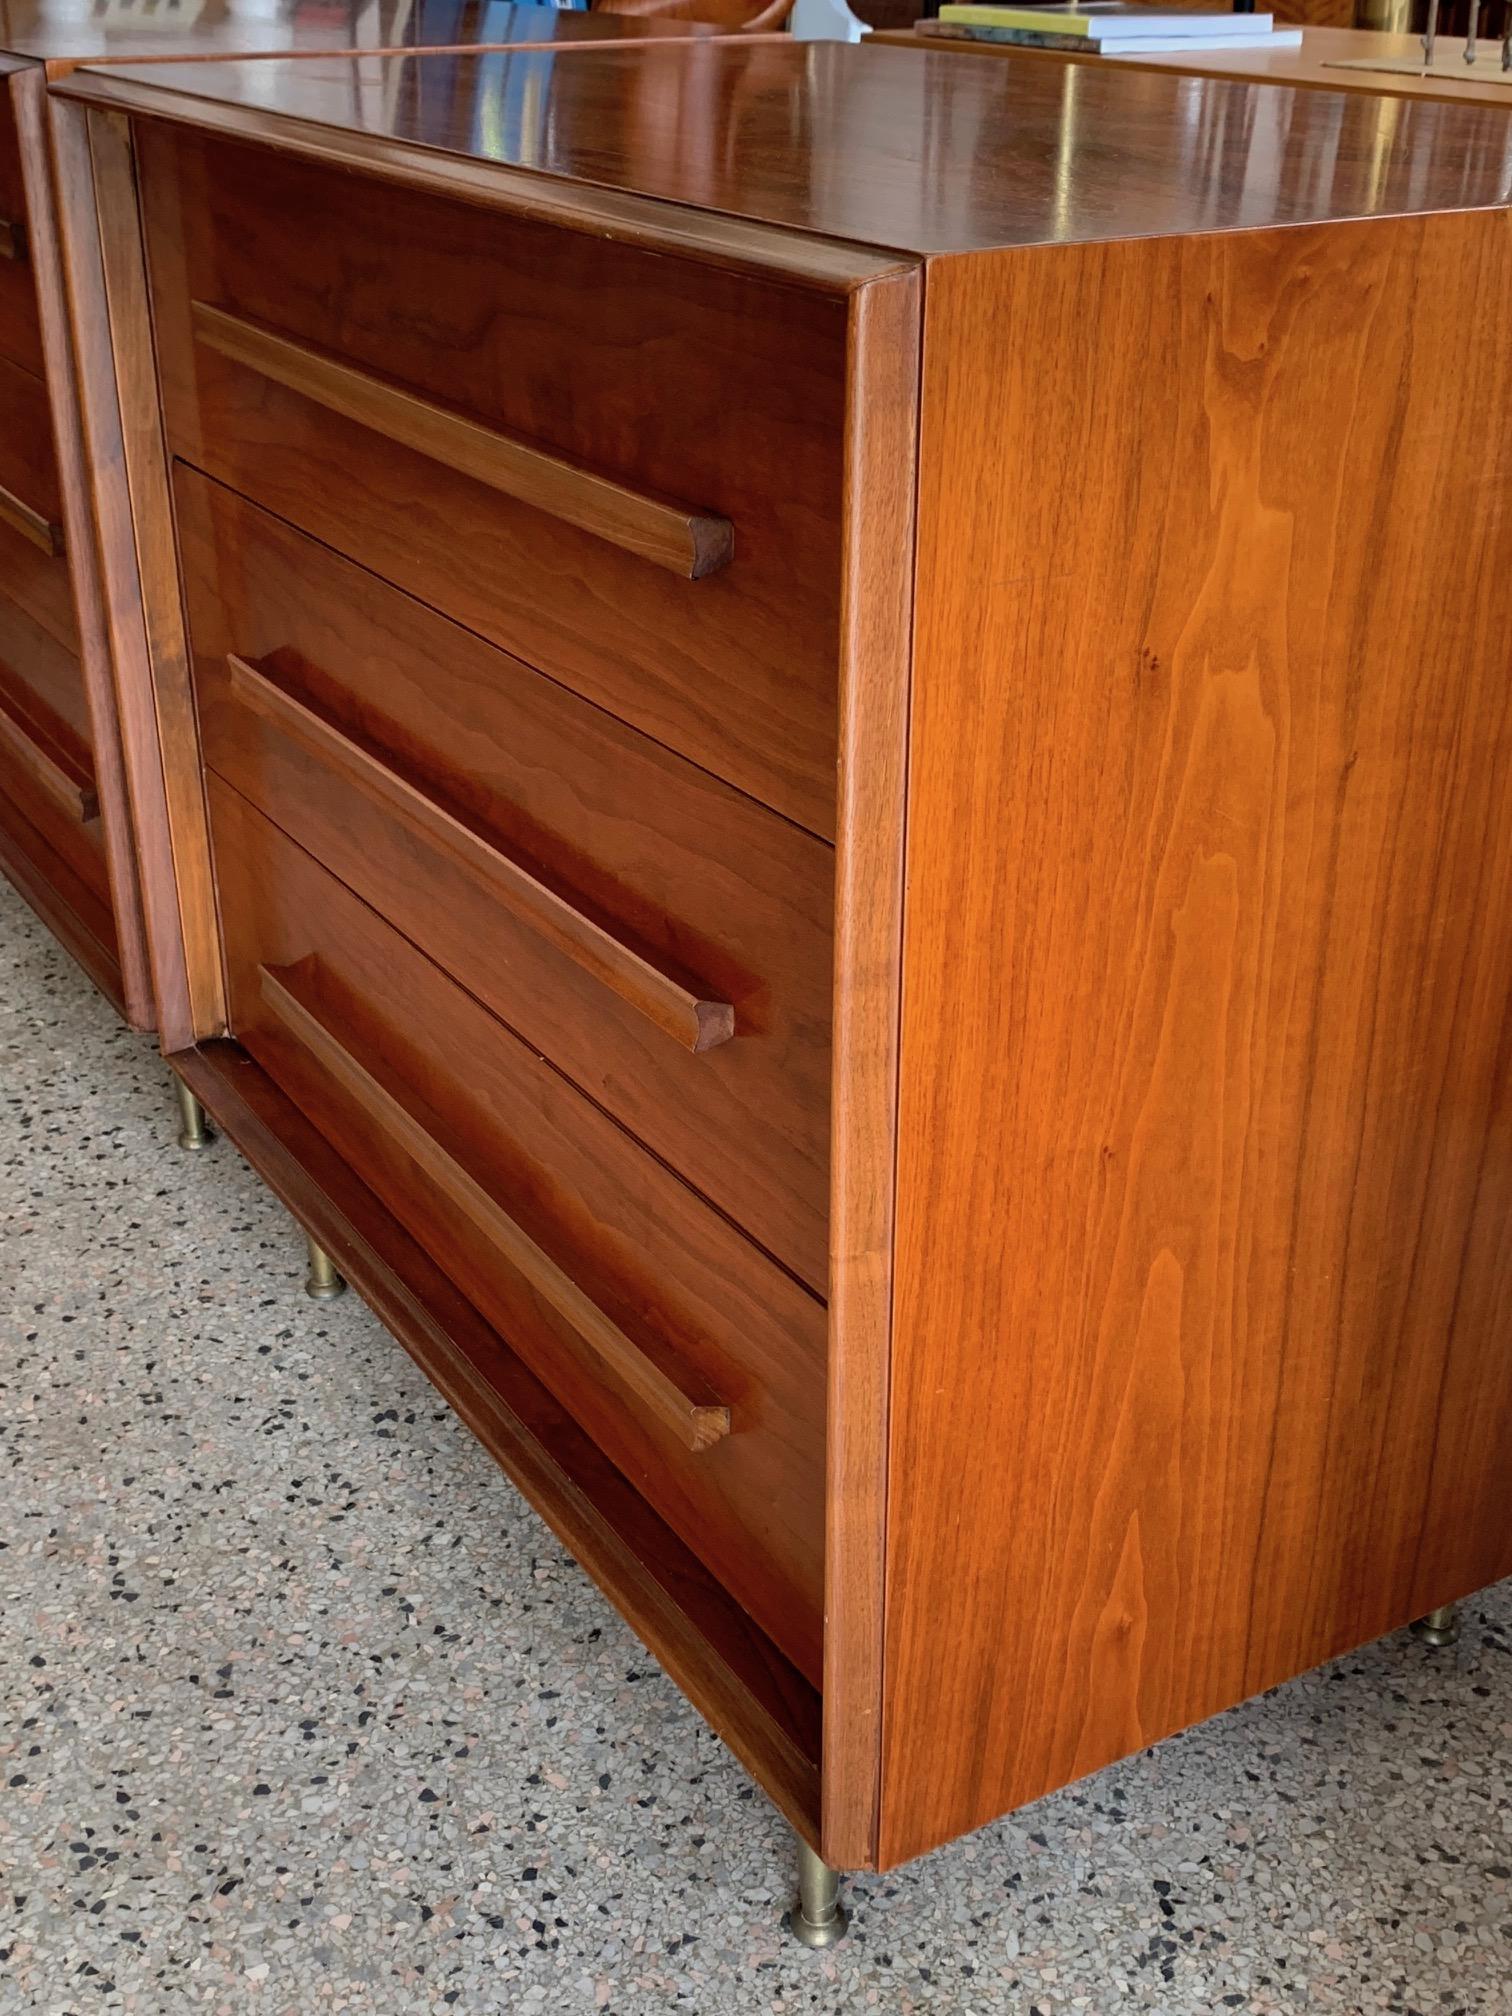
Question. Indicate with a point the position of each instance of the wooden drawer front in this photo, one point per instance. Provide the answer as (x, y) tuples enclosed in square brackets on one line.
[(38, 582), (662, 938), (33, 567), (20, 329), (45, 768), (696, 1364), (30, 502), (551, 432), (46, 666)]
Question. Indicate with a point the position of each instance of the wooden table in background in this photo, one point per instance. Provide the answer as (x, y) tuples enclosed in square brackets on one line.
[(1316, 64)]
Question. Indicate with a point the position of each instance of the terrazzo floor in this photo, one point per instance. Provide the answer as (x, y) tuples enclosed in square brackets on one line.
[(302, 1711)]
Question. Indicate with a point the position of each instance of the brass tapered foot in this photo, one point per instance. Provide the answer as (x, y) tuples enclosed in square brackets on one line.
[(1439, 1627), (322, 1283), (818, 1918), (193, 1133)]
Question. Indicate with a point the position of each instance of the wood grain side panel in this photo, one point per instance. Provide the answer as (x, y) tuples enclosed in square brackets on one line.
[(94, 676), (876, 647), (1205, 1225)]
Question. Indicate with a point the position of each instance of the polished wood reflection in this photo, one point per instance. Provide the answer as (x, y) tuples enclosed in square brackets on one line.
[(824, 137)]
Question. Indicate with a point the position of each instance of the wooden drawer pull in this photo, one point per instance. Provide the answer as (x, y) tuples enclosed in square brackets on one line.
[(50, 767), (685, 541), (697, 1420), (12, 239), (691, 1018), (30, 524)]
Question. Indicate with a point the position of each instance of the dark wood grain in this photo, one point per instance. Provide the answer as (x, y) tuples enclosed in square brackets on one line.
[(642, 1248), (765, 1710), (1205, 1227), (683, 383), (827, 138), (654, 850)]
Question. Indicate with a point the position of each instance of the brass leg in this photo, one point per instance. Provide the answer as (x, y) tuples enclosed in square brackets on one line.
[(1439, 1627), (322, 1283), (193, 1133), (818, 1919)]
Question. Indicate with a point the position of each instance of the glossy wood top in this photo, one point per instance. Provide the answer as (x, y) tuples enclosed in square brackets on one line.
[(209, 30), (913, 151), (1328, 60)]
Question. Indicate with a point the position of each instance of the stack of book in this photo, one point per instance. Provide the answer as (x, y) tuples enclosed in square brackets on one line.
[(1110, 28)]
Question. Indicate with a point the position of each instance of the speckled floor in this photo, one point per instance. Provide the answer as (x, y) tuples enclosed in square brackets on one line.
[(301, 1710)]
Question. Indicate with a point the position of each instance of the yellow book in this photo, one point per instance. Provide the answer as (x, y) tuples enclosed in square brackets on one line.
[(1114, 22)]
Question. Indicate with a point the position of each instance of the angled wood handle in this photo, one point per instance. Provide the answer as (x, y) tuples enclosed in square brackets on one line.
[(50, 767), (675, 536), (30, 524), (696, 1419), (692, 1019), (12, 239)]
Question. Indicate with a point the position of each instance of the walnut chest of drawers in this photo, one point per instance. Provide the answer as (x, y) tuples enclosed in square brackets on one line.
[(821, 762), (64, 830), (65, 820)]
